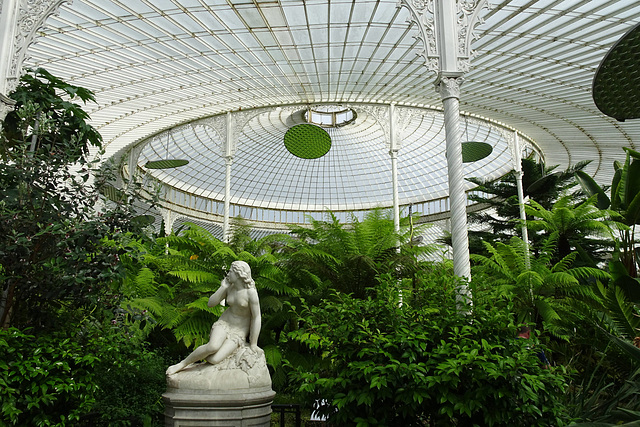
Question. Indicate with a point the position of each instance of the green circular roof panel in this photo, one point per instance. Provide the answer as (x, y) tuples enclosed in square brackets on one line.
[(472, 151), (166, 163), (616, 85), (307, 141)]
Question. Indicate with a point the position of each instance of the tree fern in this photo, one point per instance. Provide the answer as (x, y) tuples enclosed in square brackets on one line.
[(541, 294), (576, 225), (623, 319)]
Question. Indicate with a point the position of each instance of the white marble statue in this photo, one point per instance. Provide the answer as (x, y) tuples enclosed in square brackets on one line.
[(241, 319)]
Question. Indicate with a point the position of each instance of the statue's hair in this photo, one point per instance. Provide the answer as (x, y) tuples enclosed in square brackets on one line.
[(243, 271)]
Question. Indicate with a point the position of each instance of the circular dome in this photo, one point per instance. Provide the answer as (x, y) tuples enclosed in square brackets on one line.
[(270, 183)]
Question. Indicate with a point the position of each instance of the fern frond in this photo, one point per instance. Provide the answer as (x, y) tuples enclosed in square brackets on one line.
[(620, 310), (565, 263), (546, 310), (561, 280), (202, 304), (194, 330), (194, 276), (153, 305), (529, 280), (584, 273), (224, 251), (142, 284), (273, 355), (271, 303)]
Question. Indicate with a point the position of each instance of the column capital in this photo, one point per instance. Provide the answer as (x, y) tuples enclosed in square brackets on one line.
[(446, 24), (20, 21), (448, 84)]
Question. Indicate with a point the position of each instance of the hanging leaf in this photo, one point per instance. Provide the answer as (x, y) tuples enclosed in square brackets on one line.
[(590, 187)]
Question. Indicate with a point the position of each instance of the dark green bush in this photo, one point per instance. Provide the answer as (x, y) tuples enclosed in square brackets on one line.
[(130, 382), (425, 363), (44, 380)]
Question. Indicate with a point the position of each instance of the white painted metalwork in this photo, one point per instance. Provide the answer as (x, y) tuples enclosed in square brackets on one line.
[(517, 166), (228, 158), (393, 152), (449, 86), (161, 64)]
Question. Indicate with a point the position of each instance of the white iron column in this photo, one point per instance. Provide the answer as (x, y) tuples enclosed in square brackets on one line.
[(228, 157), (449, 88), (446, 27), (169, 218), (393, 152), (448, 84), (8, 17), (517, 163)]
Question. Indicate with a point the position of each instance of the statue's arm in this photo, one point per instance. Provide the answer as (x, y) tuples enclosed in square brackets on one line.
[(256, 318), (219, 295)]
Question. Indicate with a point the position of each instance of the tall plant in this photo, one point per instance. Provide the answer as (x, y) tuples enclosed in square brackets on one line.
[(57, 253), (624, 199), (543, 293), (540, 182), (349, 257), (580, 227), (424, 362)]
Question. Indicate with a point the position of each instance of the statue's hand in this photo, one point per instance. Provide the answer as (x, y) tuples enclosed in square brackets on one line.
[(256, 349)]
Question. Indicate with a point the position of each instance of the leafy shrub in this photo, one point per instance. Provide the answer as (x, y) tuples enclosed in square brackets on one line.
[(382, 363), (44, 380), (130, 381)]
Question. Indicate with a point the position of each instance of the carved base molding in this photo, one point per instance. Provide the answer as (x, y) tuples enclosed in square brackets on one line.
[(235, 408), (234, 393)]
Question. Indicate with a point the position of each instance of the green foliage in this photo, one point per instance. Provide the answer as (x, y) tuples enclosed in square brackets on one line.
[(349, 257), (543, 293), (46, 122), (130, 377), (619, 315), (58, 254), (379, 363), (599, 398), (540, 183), (625, 200), (179, 273), (576, 225), (44, 380)]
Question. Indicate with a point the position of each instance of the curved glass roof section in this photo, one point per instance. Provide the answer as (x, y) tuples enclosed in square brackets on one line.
[(354, 175), (162, 64)]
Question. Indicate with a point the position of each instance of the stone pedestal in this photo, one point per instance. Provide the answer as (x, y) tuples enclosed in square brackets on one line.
[(234, 393)]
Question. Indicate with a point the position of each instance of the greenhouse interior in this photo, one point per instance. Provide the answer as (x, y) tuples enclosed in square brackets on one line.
[(435, 202)]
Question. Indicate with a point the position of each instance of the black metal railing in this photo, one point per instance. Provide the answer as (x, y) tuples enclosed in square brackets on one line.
[(287, 408)]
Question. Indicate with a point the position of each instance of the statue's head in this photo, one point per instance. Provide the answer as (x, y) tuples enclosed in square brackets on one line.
[(243, 271)]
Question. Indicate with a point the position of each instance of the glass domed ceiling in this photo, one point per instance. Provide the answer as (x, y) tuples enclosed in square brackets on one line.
[(154, 65), (269, 183)]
